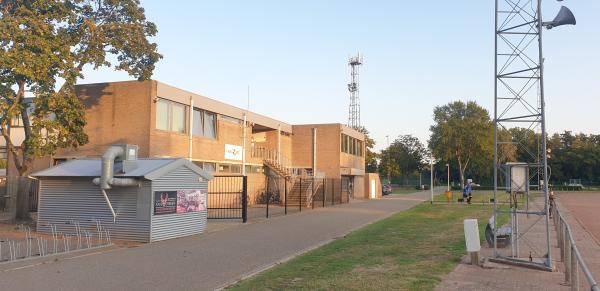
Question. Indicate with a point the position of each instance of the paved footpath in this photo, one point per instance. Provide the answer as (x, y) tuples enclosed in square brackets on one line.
[(207, 261)]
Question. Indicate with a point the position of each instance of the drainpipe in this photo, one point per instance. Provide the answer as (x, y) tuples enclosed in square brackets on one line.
[(279, 144), (314, 151), (244, 146), (191, 129)]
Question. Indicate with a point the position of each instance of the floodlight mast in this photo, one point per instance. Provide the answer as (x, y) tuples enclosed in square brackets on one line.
[(519, 67)]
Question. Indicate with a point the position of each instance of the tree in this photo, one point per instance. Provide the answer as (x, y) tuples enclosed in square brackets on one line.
[(403, 157), (462, 132), (44, 47), (370, 155)]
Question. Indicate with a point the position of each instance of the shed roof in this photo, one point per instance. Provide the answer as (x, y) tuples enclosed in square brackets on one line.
[(150, 169)]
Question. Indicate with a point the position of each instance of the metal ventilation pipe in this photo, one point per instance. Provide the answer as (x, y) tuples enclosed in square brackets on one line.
[(107, 179), (107, 175)]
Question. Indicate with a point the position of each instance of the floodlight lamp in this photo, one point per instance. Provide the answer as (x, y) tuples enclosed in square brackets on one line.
[(564, 16)]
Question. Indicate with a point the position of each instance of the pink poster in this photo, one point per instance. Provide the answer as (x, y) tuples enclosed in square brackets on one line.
[(191, 201)]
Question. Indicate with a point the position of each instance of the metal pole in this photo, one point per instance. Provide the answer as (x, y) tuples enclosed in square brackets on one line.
[(268, 196), (448, 166), (574, 269), (245, 199), (286, 197), (323, 191), (431, 186), (300, 201), (244, 145), (495, 164), (543, 137), (191, 128)]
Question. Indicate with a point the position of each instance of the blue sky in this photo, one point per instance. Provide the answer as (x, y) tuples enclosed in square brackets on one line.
[(417, 54)]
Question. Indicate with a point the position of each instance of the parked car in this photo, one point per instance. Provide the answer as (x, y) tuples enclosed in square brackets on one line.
[(386, 189)]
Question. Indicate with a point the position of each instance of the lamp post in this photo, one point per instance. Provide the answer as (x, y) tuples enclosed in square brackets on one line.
[(448, 169), (431, 186), (389, 175)]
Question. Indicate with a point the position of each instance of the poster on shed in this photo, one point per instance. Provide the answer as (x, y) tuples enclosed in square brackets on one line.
[(191, 201), (165, 202)]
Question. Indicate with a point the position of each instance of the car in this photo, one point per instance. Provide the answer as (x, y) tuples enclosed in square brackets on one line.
[(386, 189)]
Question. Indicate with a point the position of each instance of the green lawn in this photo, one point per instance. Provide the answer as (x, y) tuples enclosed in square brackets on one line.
[(411, 250)]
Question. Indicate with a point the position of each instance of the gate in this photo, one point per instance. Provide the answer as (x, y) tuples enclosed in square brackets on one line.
[(228, 198)]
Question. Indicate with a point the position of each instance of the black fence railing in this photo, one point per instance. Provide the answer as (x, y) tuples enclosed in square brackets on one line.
[(296, 195), (34, 195), (228, 198)]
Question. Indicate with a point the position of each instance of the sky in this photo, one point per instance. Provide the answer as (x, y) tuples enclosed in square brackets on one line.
[(417, 55)]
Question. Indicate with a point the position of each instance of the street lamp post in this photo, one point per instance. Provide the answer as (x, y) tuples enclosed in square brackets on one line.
[(448, 168), (431, 186)]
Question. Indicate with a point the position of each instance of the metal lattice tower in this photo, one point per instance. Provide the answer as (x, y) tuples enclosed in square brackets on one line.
[(519, 103), (353, 87)]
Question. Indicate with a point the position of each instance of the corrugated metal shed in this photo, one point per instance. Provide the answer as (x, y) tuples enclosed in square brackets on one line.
[(68, 194)]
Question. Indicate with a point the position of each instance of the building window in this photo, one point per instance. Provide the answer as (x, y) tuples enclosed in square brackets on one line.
[(204, 124), (197, 129), (209, 167), (231, 119), (170, 116), (352, 145), (178, 118), (209, 124)]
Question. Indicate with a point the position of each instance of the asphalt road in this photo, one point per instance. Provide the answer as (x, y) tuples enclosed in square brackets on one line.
[(207, 261)]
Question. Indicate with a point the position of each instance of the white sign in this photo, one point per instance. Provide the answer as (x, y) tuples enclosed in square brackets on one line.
[(472, 235), (233, 152)]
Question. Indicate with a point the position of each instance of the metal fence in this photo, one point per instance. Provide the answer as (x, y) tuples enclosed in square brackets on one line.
[(570, 255), (228, 198), (308, 193), (34, 191)]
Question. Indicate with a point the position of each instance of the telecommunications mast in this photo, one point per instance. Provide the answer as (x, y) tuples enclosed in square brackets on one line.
[(353, 87)]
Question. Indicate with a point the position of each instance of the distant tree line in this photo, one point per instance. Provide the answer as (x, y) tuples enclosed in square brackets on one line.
[(462, 136)]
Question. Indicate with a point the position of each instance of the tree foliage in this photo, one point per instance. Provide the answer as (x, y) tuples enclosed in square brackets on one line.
[(370, 155), (403, 157), (462, 133), (44, 47), (574, 156)]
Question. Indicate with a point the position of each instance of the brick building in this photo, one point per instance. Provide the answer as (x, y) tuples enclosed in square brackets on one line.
[(165, 121)]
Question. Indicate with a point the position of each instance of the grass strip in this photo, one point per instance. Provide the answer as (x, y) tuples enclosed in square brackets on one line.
[(411, 250)]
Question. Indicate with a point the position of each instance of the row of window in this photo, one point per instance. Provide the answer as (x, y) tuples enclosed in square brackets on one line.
[(352, 145), (171, 116), (226, 168)]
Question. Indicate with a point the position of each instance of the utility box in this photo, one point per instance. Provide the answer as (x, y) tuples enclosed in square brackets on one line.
[(169, 200), (517, 177)]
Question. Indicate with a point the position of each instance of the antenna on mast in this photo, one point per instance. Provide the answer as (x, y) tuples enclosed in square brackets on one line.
[(353, 87)]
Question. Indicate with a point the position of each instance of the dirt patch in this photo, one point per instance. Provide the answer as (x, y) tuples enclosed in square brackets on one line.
[(17, 232), (385, 267)]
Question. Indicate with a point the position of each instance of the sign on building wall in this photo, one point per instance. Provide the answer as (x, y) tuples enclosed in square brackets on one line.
[(233, 152), (191, 201), (180, 201), (165, 202)]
